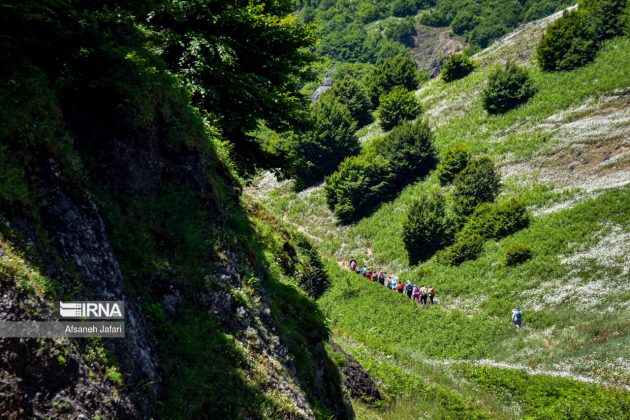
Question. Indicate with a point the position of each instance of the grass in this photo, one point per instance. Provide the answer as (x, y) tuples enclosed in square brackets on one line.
[(570, 327)]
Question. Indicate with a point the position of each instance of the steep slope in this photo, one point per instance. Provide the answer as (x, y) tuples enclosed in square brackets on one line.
[(565, 153), (114, 187)]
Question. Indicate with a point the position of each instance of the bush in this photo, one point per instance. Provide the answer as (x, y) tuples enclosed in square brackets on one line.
[(507, 88), (311, 276), (517, 253), (318, 152), (479, 182), (456, 67), (409, 150), (385, 166), (396, 106), (574, 40), (607, 16), (497, 220), (426, 228), (399, 70), (352, 94), (465, 249), (402, 8), (452, 162), (568, 43), (352, 189)]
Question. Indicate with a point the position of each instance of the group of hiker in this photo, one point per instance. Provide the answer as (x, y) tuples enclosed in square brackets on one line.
[(422, 295)]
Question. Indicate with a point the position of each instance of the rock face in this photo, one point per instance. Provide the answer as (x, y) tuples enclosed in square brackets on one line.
[(69, 243), (326, 84), (357, 381), (431, 46)]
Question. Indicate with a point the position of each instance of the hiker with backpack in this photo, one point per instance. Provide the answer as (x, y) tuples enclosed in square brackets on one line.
[(400, 287), (393, 283), (408, 289), (423, 295), (415, 295), (517, 317), (431, 293), (368, 274), (364, 270)]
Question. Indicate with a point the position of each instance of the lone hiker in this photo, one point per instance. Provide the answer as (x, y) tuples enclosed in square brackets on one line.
[(517, 317)]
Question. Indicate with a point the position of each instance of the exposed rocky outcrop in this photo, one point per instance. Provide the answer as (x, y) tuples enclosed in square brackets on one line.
[(357, 381), (430, 47), (326, 84)]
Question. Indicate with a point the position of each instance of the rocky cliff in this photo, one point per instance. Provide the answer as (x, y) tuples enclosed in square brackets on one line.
[(114, 190)]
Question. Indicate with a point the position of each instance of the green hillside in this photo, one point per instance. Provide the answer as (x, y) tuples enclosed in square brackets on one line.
[(179, 158), (565, 153)]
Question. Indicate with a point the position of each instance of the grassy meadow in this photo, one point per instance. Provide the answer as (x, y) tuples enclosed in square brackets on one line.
[(463, 358)]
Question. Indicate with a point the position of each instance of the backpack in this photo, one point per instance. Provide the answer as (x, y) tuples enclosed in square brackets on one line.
[(518, 315), (432, 291), (408, 287)]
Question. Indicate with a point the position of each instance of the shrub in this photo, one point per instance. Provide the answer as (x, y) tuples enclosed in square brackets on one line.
[(479, 182), (385, 166), (574, 40), (568, 43), (317, 153), (465, 249), (351, 190), (507, 88), (311, 275), (607, 16), (452, 162), (409, 150), (463, 22), (497, 220), (517, 253), (402, 8), (352, 94), (397, 106), (399, 70), (457, 67), (426, 228)]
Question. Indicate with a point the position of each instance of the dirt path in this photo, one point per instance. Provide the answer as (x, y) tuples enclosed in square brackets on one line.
[(437, 363)]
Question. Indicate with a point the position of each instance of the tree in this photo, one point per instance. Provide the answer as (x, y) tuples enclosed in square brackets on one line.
[(452, 162), (399, 70), (568, 43), (574, 40), (382, 169), (402, 8), (410, 151), (351, 190), (463, 22), (351, 93), (318, 151), (507, 88), (241, 61), (479, 182), (426, 228), (397, 106), (456, 67)]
